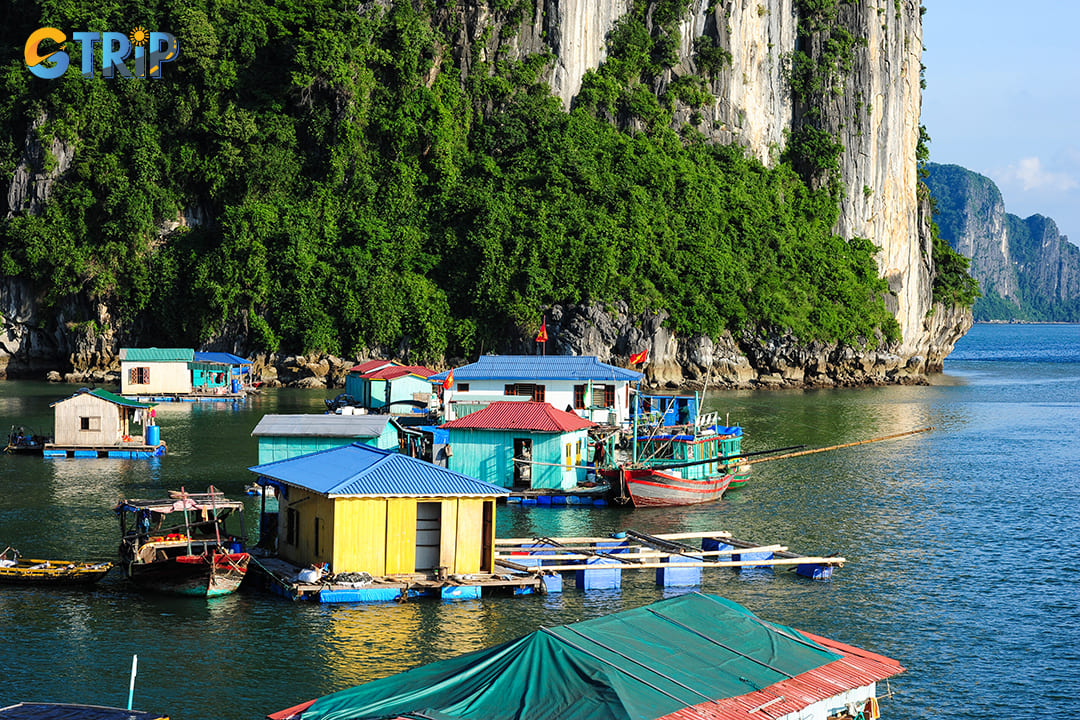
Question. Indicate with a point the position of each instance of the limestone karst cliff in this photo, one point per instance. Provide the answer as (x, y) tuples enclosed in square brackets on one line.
[(278, 222), (1027, 270)]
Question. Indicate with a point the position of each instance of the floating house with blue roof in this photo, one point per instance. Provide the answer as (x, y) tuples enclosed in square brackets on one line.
[(97, 423), (591, 389), (177, 373), (282, 437), (362, 509), (521, 445)]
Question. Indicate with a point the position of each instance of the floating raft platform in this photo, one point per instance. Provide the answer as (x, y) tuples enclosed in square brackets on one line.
[(528, 566), (598, 494), (598, 562), (125, 451), (281, 578)]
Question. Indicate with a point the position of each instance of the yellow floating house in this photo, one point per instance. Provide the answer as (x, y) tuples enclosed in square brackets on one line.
[(359, 508)]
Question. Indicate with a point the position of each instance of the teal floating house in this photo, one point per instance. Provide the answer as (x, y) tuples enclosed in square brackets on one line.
[(286, 436), (692, 657), (388, 386), (520, 445)]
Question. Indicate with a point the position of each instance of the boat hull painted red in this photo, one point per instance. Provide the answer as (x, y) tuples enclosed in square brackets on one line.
[(656, 488)]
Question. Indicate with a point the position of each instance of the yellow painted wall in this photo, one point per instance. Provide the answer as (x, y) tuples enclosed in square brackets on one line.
[(360, 536), (401, 535), (378, 535)]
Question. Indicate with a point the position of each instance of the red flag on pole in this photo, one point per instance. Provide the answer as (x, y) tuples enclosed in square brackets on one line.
[(541, 337), (639, 357), (449, 381)]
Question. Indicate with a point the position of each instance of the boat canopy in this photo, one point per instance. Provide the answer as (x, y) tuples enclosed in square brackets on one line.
[(642, 663), (178, 502)]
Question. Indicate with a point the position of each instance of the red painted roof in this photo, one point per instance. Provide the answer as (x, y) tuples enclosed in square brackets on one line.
[(856, 669), (389, 370), (517, 415), (369, 365)]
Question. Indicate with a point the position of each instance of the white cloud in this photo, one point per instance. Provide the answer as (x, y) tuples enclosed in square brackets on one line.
[(1031, 175)]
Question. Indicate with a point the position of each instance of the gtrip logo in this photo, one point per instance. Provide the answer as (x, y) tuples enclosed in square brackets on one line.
[(151, 51)]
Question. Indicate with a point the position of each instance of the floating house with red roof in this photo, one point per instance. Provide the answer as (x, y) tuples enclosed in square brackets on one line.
[(521, 445), (691, 657), (388, 386)]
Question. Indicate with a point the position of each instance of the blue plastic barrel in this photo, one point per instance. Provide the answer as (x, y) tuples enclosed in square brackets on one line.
[(153, 435), (236, 387)]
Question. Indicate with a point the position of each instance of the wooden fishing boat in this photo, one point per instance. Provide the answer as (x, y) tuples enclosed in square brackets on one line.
[(22, 441), (70, 711), (17, 570), (678, 469), (193, 554)]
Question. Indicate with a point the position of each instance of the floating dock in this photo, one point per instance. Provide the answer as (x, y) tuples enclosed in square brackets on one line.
[(126, 451), (597, 494), (526, 566), (186, 398), (281, 578)]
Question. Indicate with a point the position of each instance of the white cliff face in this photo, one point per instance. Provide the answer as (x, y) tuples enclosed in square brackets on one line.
[(877, 121), (580, 40)]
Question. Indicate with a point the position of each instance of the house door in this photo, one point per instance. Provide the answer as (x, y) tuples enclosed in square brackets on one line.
[(487, 541), (522, 463), (428, 536)]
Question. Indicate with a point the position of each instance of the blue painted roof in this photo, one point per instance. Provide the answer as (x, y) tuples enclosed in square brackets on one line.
[(223, 358), (364, 470), (540, 367)]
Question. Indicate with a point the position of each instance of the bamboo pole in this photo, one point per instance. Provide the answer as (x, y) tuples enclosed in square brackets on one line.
[(843, 445), (837, 561), (608, 539), (646, 555)]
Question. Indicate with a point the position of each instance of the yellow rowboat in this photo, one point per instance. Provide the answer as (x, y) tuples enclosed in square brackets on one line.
[(23, 571)]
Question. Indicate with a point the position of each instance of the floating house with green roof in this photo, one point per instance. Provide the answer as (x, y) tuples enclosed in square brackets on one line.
[(164, 374), (98, 423)]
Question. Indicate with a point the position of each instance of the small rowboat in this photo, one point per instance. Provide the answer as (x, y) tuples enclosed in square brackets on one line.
[(23, 571)]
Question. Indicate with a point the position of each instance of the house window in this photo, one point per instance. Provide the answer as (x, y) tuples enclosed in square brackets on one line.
[(536, 392), (578, 453), (579, 396), (292, 527), (569, 449), (609, 395), (463, 387), (139, 376), (90, 424)]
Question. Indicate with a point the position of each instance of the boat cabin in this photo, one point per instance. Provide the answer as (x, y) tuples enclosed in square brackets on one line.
[(582, 384), (521, 445), (363, 509), (704, 453)]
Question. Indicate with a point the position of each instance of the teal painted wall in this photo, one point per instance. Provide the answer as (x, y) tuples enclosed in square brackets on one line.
[(488, 455), (377, 393), (274, 447)]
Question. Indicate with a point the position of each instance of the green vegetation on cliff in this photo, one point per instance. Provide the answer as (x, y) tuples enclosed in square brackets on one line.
[(346, 188)]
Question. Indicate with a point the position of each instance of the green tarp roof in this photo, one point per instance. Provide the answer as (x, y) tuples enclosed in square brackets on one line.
[(642, 663), (110, 397), (158, 354)]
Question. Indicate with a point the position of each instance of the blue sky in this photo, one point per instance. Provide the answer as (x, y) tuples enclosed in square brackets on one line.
[(1002, 98)]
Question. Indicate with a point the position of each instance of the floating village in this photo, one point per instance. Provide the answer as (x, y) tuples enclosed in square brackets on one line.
[(391, 496)]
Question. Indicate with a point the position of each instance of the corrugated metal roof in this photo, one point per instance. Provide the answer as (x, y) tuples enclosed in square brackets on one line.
[(856, 668), (394, 372), (108, 397), (363, 470), (540, 367), (508, 415), (158, 355), (222, 358), (353, 426), (369, 365)]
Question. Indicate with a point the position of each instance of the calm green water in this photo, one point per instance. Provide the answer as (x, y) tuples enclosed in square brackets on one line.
[(962, 546)]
